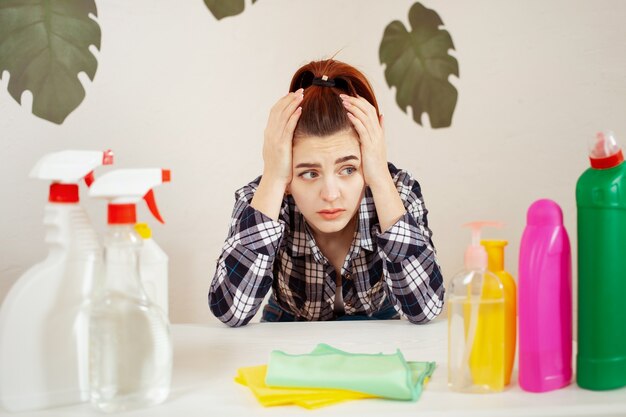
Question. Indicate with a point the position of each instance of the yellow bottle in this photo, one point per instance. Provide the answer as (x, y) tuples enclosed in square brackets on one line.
[(495, 264)]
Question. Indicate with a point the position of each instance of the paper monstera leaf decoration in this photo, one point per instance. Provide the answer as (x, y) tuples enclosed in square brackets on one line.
[(44, 45), (418, 65), (225, 8)]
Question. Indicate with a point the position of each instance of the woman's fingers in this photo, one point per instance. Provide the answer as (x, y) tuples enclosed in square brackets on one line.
[(281, 114), (284, 107), (292, 122), (362, 104), (364, 111), (358, 126), (293, 103), (358, 113)]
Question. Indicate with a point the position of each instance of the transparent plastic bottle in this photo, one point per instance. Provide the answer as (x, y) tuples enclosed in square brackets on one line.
[(130, 343), (476, 323)]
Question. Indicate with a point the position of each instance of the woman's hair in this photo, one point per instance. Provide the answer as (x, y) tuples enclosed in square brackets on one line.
[(323, 113)]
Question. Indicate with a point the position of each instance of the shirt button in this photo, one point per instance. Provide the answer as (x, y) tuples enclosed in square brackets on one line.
[(348, 276)]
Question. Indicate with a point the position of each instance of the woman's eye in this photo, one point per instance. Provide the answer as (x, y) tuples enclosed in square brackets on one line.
[(308, 175), (348, 170)]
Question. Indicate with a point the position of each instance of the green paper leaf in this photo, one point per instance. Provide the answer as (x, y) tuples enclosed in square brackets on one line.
[(225, 8), (418, 65), (44, 44)]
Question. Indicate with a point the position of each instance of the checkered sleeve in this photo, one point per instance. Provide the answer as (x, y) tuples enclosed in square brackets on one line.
[(411, 271), (244, 269)]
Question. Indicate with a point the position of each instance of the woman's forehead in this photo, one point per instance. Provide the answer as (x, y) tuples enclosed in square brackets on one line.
[(332, 146)]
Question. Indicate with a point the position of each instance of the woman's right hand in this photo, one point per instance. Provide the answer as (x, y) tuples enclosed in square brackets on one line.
[(278, 142)]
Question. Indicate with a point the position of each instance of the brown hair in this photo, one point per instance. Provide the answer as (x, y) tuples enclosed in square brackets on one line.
[(323, 113)]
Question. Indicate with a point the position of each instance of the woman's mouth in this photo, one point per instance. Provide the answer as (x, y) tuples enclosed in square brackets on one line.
[(331, 213)]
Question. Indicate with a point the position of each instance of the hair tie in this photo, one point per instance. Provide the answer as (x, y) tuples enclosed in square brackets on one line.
[(323, 81)]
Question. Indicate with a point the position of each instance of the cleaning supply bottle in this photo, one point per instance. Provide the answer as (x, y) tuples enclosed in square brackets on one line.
[(545, 300), (43, 339), (476, 323), (495, 264), (130, 346), (153, 266), (601, 203)]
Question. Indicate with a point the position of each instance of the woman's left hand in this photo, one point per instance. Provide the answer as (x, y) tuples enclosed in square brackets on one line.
[(369, 127)]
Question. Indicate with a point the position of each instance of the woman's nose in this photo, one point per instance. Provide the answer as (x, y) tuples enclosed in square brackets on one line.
[(330, 190)]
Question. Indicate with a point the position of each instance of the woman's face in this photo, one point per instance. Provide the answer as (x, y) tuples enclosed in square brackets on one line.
[(327, 183)]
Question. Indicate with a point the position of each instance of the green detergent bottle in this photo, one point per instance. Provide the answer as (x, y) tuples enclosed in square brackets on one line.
[(601, 203)]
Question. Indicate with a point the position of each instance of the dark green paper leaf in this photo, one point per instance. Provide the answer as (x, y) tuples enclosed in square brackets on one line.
[(418, 65), (225, 8), (44, 44)]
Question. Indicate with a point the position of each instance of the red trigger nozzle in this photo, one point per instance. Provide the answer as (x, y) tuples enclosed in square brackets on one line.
[(152, 206), (89, 179)]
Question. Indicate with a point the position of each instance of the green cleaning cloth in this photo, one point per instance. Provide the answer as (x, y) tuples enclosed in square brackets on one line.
[(383, 375)]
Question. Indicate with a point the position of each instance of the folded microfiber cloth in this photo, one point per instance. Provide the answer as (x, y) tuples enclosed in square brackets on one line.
[(381, 375), (254, 378)]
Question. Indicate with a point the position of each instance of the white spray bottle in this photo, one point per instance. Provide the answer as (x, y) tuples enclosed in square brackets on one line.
[(43, 338), (153, 268), (130, 349)]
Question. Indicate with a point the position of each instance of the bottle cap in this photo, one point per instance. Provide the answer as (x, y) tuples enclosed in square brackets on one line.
[(604, 152), (475, 254)]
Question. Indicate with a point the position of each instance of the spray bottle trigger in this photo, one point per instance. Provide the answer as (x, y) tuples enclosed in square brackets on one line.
[(152, 206), (89, 179)]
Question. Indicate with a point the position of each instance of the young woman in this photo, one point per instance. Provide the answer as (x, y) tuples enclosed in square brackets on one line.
[(333, 229)]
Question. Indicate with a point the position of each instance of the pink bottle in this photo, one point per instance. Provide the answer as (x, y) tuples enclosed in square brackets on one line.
[(545, 300)]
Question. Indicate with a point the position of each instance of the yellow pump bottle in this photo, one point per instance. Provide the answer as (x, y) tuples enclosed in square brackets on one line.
[(495, 264)]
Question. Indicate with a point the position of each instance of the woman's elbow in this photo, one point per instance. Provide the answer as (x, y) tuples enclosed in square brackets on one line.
[(430, 311)]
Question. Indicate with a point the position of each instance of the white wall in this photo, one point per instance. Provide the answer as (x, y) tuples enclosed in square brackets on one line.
[(175, 88)]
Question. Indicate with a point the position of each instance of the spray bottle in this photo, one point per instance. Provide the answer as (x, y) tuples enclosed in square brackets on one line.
[(130, 346), (153, 266), (545, 300), (43, 336), (495, 264), (601, 203), (476, 324)]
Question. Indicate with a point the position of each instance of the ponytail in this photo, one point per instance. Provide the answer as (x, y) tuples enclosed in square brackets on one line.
[(323, 113)]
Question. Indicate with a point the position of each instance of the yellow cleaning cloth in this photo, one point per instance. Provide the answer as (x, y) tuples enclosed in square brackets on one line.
[(254, 378)]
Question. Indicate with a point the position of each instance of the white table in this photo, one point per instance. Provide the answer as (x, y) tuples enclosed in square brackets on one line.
[(206, 358)]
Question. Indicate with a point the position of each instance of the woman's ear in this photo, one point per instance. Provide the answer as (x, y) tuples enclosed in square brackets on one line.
[(288, 189)]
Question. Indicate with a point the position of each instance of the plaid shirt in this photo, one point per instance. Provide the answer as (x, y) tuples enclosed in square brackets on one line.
[(261, 253)]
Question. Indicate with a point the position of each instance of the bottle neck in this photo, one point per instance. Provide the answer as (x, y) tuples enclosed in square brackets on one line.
[(68, 230), (122, 214), (121, 256), (495, 258)]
